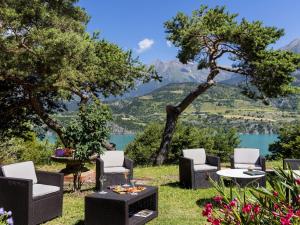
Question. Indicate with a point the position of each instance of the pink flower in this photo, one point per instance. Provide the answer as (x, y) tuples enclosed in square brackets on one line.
[(247, 208), (285, 221), (207, 211), (214, 221), (256, 209), (218, 199), (275, 193), (233, 203)]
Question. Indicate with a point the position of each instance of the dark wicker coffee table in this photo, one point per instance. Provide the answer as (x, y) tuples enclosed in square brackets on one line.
[(117, 209)]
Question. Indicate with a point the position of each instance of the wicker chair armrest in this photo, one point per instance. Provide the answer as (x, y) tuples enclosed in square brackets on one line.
[(15, 189), (50, 178), (186, 164), (294, 164), (128, 163), (231, 162), (186, 171), (213, 160), (262, 160)]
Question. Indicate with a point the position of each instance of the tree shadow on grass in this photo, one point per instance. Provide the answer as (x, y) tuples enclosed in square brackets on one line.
[(202, 201), (79, 222), (175, 184), (87, 188)]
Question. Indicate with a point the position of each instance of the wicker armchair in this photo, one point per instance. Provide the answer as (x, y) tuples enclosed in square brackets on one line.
[(195, 168), (293, 164), (244, 158), (114, 165), (33, 196)]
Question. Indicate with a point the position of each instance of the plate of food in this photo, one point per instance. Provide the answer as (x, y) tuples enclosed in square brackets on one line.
[(127, 190)]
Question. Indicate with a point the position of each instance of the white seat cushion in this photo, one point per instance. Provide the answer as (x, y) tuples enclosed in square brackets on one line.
[(198, 155), (113, 158), (22, 170), (42, 189), (204, 167), (246, 166), (246, 155), (119, 169)]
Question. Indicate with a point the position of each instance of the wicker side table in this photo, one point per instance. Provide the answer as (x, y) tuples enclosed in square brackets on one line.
[(117, 209)]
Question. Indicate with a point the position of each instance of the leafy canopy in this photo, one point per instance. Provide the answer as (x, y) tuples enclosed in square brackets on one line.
[(210, 34), (88, 130), (288, 145), (215, 141), (48, 58)]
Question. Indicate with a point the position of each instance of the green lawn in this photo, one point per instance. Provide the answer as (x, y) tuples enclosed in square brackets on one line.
[(176, 205)]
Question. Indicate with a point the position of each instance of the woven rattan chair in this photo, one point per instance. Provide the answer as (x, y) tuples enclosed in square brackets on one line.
[(113, 165), (33, 196), (293, 164), (195, 168), (245, 158)]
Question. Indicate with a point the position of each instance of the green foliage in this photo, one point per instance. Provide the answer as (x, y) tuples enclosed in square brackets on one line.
[(31, 149), (48, 58), (144, 147), (277, 204), (87, 132), (213, 33), (288, 145)]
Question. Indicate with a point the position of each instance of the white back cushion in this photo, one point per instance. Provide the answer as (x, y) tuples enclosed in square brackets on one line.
[(246, 155), (23, 170), (197, 154), (113, 158)]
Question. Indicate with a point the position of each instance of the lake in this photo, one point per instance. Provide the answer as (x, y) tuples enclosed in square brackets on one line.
[(260, 141)]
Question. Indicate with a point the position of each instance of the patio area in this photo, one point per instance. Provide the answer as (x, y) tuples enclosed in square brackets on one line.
[(176, 205)]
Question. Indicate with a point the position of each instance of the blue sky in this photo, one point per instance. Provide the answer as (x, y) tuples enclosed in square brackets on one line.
[(138, 24)]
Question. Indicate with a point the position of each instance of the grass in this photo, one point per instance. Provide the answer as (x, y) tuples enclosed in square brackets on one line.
[(176, 205)]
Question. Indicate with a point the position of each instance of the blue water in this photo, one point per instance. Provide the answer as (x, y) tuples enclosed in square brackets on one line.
[(260, 141), (121, 140)]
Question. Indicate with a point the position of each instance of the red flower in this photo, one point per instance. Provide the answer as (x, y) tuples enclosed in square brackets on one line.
[(297, 181), (218, 199), (247, 208), (214, 221), (233, 203), (275, 193), (207, 211), (285, 221), (256, 209)]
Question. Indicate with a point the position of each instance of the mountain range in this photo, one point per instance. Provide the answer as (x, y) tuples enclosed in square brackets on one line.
[(175, 72)]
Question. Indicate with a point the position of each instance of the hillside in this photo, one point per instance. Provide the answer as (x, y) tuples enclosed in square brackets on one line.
[(222, 105)]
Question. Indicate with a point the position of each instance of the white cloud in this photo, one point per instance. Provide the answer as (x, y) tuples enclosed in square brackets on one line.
[(169, 43), (145, 45)]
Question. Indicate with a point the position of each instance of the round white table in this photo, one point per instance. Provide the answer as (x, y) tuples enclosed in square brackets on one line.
[(235, 174)]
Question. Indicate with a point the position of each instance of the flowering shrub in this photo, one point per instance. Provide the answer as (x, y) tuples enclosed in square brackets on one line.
[(5, 217), (279, 205)]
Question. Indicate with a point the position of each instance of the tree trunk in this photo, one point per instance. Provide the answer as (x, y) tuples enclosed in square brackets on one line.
[(172, 116), (173, 112), (51, 123)]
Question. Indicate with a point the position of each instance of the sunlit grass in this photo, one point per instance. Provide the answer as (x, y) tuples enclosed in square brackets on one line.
[(177, 206)]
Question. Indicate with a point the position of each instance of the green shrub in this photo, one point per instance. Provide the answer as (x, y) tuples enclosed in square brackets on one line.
[(288, 145), (145, 145), (18, 149)]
